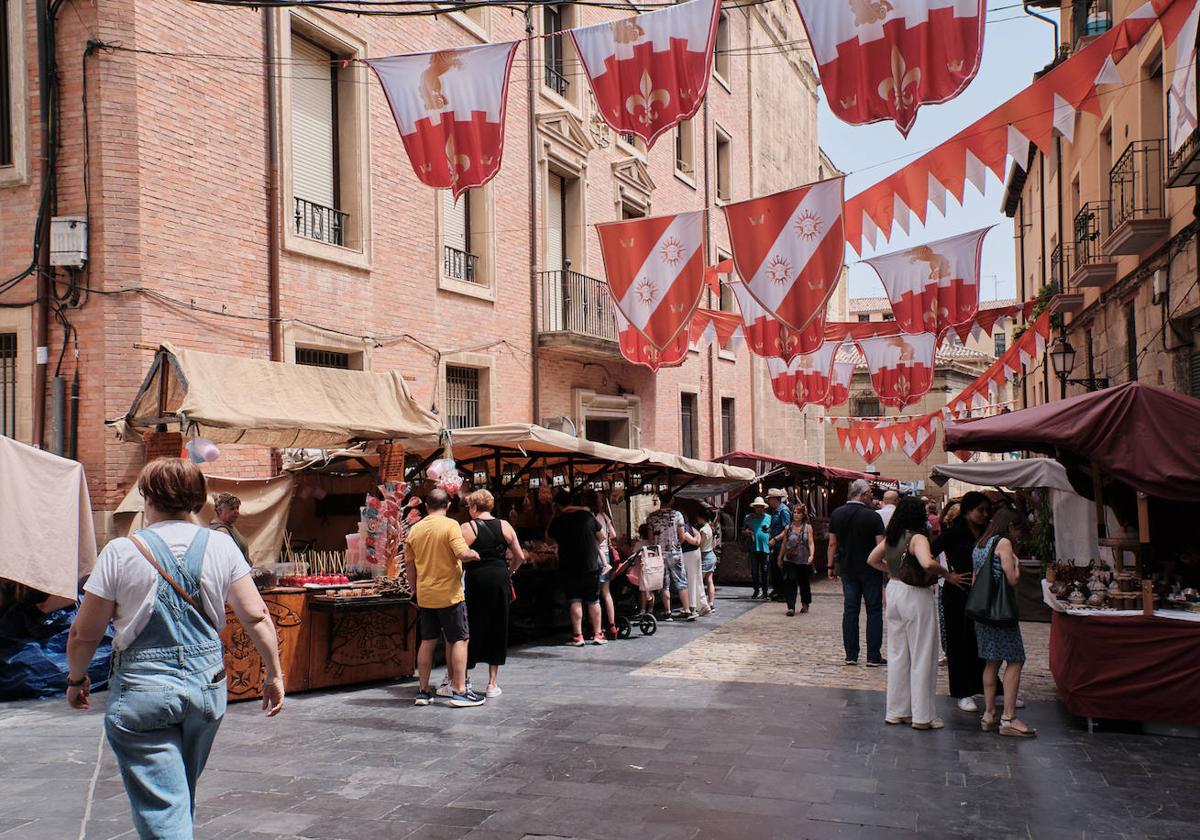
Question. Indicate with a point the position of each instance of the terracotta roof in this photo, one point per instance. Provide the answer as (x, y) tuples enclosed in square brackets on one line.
[(870, 304), (947, 354)]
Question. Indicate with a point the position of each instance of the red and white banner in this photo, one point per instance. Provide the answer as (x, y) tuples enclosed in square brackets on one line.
[(635, 348), (936, 286), (1181, 98), (709, 325), (839, 383), (901, 366), (884, 59), (767, 336), (788, 249), (650, 72), (449, 106), (1034, 115), (984, 391), (655, 270), (805, 378)]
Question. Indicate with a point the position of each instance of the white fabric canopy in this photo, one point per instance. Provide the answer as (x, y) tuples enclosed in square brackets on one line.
[(1074, 516)]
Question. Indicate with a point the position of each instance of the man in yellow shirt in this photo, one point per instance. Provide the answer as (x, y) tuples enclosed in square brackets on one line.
[(433, 556)]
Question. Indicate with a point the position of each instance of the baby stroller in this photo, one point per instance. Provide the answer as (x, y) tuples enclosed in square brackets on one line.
[(641, 572)]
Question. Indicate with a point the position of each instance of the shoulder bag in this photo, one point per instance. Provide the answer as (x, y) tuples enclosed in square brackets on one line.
[(179, 590), (991, 601), (912, 572)]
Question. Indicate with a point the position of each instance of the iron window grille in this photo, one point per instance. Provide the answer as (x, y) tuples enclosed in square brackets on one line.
[(8, 384), (1001, 341), (556, 78), (459, 265), (324, 224), (867, 406), (315, 357), (462, 397)]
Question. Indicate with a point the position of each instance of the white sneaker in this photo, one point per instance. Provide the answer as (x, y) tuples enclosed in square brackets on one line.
[(446, 690), (968, 704), (494, 691)]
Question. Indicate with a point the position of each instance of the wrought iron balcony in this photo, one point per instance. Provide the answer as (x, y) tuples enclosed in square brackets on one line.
[(1139, 218), (1183, 164), (1091, 266), (557, 81), (577, 314), (1065, 298), (459, 265), (324, 224)]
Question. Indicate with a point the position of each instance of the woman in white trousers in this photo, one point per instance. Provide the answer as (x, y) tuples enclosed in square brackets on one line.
[(691, 564), (912, 625)]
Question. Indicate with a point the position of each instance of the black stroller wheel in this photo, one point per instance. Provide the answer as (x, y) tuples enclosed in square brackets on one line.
[(648, 625), (624, 628)]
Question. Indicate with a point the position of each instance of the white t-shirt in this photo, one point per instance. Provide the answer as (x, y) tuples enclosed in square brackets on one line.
[(124, 576), (885, 513)]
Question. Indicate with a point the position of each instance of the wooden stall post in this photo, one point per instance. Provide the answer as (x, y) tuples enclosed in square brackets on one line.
[(1145, 553), (391, 462)]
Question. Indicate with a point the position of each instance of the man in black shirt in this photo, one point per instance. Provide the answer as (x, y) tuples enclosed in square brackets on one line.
[(854, 530), (576, 531)]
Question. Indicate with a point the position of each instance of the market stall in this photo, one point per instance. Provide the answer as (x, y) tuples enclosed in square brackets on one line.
[(1135, 448), (332, 630), (821, 488)]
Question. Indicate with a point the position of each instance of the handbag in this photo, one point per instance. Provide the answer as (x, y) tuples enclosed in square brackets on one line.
[(991, 601), (179, 590), (912, 572)]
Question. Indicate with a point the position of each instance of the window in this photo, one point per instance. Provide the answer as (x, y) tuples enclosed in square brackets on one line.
[(862, 319), (724, 164), (557, 50), (1091, 17), (688, 431), (562, 222), (685, 148), (459, 261), (727, 303), (727, 415), (316, 357), (8, 384), (462, 397), (315, 143), (1091, 356), (1131, 353), (628, 211), (889, 316), (6, 120), (1001, 341), (721, 48), (867, 405)]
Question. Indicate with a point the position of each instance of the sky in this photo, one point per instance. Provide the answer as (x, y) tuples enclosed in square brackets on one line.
[(1014, 48)]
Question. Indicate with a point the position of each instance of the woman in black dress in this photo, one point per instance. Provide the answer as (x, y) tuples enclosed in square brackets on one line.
[(489, 585), (962, 654)]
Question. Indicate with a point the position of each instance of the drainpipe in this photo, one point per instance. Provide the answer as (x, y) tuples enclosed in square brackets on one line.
[(47, 89), (1024, 291), (1042, 238), (1043, 18), (1062, 383), (535, 362), (274, 325), (712, 350)]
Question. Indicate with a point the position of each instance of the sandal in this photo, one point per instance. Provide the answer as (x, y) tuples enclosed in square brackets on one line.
[(988, 723), (1007, 729)]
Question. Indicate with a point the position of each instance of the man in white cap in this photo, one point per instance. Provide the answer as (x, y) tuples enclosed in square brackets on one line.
[(756, 527), (781, 520)]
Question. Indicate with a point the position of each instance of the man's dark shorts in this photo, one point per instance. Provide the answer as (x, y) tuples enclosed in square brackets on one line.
[(448, 621), (582, 586)]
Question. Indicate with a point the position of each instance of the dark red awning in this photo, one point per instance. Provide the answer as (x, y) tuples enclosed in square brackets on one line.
[(1147, 437)]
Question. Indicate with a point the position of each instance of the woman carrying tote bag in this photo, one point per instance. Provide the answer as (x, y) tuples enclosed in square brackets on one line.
[(992, 603)]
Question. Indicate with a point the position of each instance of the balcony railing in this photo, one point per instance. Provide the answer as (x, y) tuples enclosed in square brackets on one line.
[(324, 224), (1137, 183), (578, 304), (556, 81), (459, 265), (1060, 268), (1091, 226), (1183, 164)]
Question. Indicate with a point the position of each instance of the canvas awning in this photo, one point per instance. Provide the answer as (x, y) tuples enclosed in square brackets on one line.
[(47, 539), (763, 465), (1074, 516), (233, 399), (1146, 437)]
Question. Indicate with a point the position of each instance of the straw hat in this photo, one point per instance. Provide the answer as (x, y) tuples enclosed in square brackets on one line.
[(776, 493), (758, 502)]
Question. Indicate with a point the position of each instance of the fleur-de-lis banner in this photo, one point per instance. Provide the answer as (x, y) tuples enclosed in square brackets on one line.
[(901, 366), (635, 348), (933, 287), (806, 378), (655, 270), (650, 72), (767, 336), (449, 106), (883, 59)]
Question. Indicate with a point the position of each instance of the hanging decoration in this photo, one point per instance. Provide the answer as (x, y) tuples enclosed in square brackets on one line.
[(1181, 98), (449, 106), (901, 366), (788, 249), (655, 269), (983, 322), (650, 72), (839, 380), (1033, 115), (637, 349), (884, 59), (804, 379), (767, 336), (709, 325), (936, 286)]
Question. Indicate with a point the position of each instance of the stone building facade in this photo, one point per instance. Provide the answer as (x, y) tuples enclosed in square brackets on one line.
[(1118, 263), (493, 319)]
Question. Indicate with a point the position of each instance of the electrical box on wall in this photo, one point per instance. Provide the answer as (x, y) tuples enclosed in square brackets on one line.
[(68, 241)]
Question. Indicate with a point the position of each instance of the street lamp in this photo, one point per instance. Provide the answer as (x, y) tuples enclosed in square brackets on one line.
[(1062, 359)]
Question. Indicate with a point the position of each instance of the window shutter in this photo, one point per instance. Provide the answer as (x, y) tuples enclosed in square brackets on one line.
[(312, 123), (454, 221), (554, 223)]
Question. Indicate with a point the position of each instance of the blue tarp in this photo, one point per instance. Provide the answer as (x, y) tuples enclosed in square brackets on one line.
[(33, 654)]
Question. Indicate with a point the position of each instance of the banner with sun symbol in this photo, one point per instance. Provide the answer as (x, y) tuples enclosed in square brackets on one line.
[(656, 272), (788, 249)]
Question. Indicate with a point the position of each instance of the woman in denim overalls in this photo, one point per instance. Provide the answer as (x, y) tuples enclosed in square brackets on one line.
[(168, 689)]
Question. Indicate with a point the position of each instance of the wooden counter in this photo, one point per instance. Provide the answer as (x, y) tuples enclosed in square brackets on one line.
[(324, 644)]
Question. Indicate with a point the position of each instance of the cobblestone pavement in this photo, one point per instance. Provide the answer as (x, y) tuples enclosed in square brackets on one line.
[(588, 744), (764, 645)]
